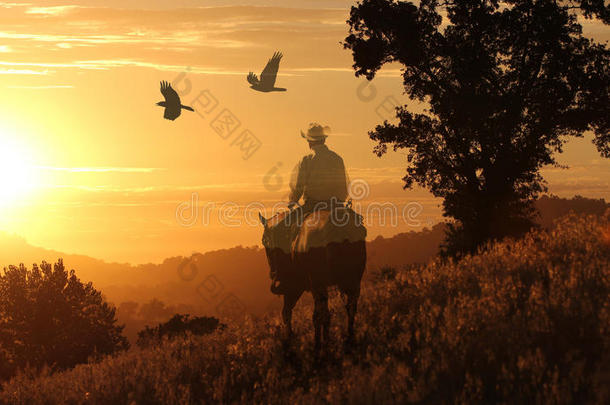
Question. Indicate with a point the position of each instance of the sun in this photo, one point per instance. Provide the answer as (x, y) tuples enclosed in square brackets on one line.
[(16, 170)]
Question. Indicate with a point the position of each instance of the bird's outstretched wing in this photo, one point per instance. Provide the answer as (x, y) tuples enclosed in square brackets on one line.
[(252, 79), (171, 97), (269, 73)]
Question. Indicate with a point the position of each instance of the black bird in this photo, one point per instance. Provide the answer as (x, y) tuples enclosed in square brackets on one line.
[(268, 76), (172, 103)]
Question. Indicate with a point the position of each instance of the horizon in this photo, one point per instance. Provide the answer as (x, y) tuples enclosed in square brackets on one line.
[(207, 201), (63, 255), (90, 167)]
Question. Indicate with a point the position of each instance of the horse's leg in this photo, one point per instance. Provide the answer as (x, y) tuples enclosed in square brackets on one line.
[(326, 320), (290, 301), (317, 325), (351, 307), (321, 317)]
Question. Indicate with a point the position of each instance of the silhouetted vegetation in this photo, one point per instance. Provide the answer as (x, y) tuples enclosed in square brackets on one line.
[(243, 271), (136, 316), (551, 207), (386, 273), (505, 83), (178, 325), (526, 321), (50, 318)]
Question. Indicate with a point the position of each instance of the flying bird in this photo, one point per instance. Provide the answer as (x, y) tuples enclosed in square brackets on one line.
[(172, 103), (268, 76)]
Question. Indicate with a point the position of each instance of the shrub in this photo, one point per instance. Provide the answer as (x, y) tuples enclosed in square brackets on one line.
[(48, 317), (523, 321), (385, 273), (178, 325)]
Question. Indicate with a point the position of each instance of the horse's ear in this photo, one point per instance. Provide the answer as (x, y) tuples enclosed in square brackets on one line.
[(263, 220)]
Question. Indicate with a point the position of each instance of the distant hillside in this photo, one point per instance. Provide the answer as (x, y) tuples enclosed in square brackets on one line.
[(15, 250), (419, 247), (551, 207), (242, 272)]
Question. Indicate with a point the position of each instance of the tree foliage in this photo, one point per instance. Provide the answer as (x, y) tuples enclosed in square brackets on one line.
[(49, 317), (507, 83)]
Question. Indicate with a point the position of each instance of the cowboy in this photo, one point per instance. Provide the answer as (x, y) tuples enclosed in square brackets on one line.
[(320, 179), (320, 176)]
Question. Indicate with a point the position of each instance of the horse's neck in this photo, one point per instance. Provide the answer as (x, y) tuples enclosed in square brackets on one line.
[(277, 219)]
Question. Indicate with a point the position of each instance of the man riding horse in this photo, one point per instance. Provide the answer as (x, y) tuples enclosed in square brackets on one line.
[(320, 243), (319, 178)]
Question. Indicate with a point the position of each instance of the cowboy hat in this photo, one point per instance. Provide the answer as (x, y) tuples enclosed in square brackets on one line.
[(316, 132)]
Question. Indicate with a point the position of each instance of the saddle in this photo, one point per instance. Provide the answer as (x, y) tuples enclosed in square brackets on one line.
[(302, 229), (327, 225)]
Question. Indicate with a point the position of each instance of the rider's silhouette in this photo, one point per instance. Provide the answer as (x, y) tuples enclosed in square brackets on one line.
[(319, 178)]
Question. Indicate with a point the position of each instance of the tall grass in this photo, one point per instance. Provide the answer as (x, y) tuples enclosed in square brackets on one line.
[(525, 321)]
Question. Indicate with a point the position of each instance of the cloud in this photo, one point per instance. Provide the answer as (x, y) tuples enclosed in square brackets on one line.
[(381, 73), (52, 86), (50, 11), (105, 188), (11, 5), (323, 69), (50, 65), (394, 173), (22, 72), (202, 26), (102, 169), (176, 39), (106, 64)]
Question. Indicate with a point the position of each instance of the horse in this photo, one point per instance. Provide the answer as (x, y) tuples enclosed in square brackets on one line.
[(328, 251)]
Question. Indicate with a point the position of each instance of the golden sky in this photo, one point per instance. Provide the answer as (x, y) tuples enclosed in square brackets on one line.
[(88, 165)]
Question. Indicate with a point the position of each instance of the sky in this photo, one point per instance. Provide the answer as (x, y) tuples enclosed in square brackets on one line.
[(88, 165)]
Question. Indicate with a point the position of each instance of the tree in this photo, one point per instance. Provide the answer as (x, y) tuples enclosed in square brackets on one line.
[(155, 310), (506, 84), (49, 317), (128, 309)]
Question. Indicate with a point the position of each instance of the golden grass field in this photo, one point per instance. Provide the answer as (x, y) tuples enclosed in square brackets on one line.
[(526, 321)]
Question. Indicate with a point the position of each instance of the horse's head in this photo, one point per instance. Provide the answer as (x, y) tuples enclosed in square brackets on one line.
[(267, 241), (276, 240), (276, 228)]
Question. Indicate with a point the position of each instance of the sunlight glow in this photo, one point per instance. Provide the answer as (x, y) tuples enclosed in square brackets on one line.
[(16, 170)]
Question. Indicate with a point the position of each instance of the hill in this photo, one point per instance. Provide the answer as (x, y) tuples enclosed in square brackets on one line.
[(401, 249), (238, 274), (527, 321)]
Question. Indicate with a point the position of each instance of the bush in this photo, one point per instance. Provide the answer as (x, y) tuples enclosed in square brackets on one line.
[(385, 273), (526, 321), (48, 317), (178, 325)]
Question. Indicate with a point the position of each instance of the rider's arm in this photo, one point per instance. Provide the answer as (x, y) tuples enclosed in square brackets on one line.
[(343, 184), (297, 182)]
